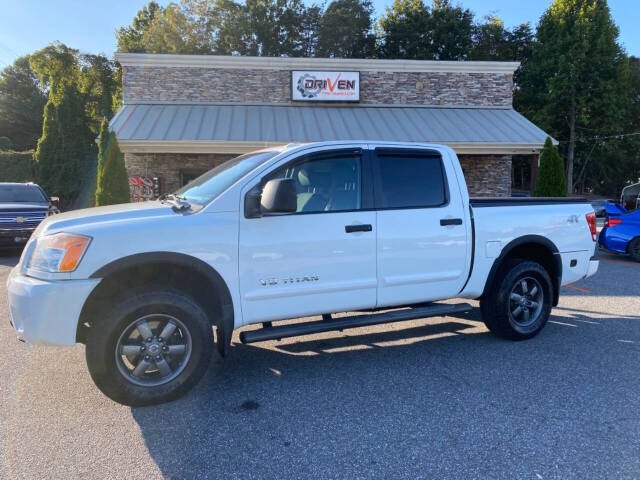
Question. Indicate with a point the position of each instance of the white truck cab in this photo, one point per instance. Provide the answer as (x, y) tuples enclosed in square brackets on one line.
[(301, 230)]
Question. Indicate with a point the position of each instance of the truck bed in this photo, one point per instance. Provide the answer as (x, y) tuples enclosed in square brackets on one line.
[(479, 202)]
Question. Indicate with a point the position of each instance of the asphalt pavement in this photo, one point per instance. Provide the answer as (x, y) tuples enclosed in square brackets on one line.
[(431, 398)]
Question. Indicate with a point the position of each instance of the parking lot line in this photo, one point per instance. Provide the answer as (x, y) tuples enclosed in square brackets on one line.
[(583, 290)]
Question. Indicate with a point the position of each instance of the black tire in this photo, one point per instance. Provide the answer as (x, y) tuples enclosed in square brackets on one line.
[(634, 249), (497, 307), (108, 369)]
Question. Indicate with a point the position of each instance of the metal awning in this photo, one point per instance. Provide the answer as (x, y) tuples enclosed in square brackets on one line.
[(237, 128)]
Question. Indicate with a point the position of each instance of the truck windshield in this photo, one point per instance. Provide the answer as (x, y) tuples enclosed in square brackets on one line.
[(21, 194), (211, 184)]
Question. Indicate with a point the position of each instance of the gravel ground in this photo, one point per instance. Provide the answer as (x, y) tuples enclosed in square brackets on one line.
[(432, 398)]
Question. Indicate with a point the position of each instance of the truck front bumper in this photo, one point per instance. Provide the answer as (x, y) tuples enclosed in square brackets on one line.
[(15, 237), (46, 312)]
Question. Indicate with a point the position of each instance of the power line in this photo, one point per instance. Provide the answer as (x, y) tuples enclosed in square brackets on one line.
[(597, 137)]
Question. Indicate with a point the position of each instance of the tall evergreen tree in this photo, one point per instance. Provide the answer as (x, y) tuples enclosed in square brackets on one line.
[(113, 181), (575, 85), (550, 181), (63, 152)]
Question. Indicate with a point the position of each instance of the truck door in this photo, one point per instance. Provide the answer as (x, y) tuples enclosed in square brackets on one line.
[(422, 227), (320, 259)]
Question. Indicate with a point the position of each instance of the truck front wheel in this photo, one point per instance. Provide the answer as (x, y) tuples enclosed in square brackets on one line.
[(152, 347), (518, 304)]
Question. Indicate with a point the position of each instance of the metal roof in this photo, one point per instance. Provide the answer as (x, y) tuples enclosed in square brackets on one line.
[(205, 127)]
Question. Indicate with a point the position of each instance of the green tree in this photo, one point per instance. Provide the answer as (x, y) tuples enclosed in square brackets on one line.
[(63, 151), (131, 39), (550, 181), (576, 84), (22, 101), (410, 29), (403, 30), (177, 28), (5, 143), (345, 30), (113, 181)]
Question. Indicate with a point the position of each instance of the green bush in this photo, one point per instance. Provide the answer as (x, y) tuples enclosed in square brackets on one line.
[(113, 181), (551, 180), (16, 167)]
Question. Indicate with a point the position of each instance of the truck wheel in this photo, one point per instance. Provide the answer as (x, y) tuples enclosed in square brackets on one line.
[(519, 303), (152, 347), (634, 249)]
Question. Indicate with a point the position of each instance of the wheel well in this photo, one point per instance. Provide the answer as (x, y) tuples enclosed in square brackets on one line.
[(630, 242), (205, 288), (536, 251)]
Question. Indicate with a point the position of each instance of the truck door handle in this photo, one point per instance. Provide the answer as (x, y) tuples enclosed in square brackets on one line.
[(450, 221), (358, 228)]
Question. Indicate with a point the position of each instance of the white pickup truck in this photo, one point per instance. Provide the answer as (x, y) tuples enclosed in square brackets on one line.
[(380, 229)]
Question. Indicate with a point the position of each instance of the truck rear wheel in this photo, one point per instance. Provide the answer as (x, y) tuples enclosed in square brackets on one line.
[(152, 347), (518, 304)]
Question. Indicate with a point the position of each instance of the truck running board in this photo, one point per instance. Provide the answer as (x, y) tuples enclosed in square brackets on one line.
[(307, 328)]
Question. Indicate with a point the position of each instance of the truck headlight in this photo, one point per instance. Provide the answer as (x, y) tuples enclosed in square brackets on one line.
[(57, 253)]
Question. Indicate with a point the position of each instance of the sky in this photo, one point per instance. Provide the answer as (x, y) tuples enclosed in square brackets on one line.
[(90, 25)]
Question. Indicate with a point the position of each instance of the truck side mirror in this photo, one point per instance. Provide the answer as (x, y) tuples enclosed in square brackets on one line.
[(279, 196)]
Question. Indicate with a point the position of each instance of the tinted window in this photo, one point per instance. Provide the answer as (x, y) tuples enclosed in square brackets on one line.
[(20, 194), (327, 184), (406, 180)]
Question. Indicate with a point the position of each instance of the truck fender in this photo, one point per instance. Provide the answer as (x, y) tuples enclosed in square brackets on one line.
[(556, 277), (224, 322)]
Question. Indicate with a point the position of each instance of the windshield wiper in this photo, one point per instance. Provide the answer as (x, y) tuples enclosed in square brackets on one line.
[(177, 202)]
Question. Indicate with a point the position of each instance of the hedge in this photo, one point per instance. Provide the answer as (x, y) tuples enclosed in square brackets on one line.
[(17, 166)]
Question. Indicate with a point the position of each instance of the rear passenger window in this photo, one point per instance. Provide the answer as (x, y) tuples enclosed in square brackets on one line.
[(409, 180)]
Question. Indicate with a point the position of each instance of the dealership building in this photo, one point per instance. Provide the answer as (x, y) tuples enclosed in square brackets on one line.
[(184, 114)]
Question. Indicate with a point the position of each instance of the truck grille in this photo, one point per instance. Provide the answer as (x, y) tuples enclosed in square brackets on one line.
[(16, 220)]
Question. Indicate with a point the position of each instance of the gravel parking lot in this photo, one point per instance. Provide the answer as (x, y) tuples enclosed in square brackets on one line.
[(433, 398)]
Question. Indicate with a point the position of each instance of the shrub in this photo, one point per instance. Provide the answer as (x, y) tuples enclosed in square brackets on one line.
[(16, 167), (551, 180), (112, 179)]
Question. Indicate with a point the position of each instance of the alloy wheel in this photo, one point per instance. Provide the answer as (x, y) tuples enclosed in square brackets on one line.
[(153, 350), (525, 303)]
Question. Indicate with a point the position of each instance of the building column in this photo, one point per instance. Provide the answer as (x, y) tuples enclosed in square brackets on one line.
[(487, 175), (535, 163)]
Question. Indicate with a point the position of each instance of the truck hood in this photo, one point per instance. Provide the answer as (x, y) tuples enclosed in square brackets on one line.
[(23, 206), (112, 213)]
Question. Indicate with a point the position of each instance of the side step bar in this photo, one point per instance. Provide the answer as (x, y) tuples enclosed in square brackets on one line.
[(307, 328)]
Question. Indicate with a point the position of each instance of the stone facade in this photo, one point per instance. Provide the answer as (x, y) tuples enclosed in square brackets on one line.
[(172, 167), (200, 84), (487, 175)]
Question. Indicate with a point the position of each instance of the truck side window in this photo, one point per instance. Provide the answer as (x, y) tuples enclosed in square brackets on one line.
[(327, 184), (406, 180)]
